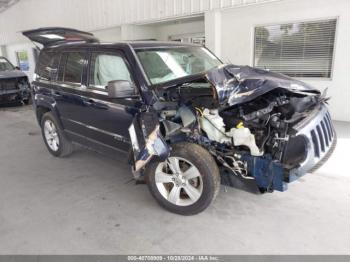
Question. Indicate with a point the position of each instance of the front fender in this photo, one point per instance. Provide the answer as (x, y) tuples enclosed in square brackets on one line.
[(147, 141)]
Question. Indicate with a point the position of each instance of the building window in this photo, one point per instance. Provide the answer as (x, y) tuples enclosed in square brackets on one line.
[(303, 49)]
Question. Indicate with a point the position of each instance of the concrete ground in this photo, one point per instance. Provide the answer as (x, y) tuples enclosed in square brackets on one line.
[(84, 205)]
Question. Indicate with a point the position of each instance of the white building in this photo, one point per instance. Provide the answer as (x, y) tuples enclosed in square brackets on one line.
[(308, 39)]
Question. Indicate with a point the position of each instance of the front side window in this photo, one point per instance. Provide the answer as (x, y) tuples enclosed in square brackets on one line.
[(107, 67), (5, 65), (303, 49), (74, 67), (166, 64)]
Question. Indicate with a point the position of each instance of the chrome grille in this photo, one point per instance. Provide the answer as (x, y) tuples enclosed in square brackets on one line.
[(322, 136), (8, 84), (319, 132)]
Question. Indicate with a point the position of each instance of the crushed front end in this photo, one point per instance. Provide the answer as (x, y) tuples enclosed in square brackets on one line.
[(290, 149), (259, 126)]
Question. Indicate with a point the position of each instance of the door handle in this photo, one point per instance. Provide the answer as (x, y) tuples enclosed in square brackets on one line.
[(93, 103), (88, 102), (56, 94)]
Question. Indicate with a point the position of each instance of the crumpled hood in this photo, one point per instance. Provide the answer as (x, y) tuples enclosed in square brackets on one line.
[(240, 84), (11, 74)]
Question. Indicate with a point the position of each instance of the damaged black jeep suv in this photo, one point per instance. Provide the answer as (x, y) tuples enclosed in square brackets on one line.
[(188, 121)]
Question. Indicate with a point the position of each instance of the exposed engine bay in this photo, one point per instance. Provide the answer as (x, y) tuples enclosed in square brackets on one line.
[(254, 138)]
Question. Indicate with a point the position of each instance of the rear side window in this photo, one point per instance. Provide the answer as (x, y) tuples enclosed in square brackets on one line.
[(74, 67), (47, 65)]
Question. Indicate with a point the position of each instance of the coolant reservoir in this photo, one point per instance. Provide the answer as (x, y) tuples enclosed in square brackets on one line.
[(243, 137), (214, 126)]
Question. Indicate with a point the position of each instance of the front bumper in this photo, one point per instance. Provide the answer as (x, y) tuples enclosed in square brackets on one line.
[(14, 95), (320, 137), (9, 96)]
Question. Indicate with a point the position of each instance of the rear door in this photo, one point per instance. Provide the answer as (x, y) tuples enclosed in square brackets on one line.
[(44, 80), (69, 90)]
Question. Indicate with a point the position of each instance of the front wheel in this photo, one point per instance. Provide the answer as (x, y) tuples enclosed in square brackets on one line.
[(187, 182)]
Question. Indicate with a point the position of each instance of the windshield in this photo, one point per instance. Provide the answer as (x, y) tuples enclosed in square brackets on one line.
[(165, 64), (5, 65)]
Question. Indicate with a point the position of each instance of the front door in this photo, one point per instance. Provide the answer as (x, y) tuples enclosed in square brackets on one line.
[(90, 114), (112, 117)]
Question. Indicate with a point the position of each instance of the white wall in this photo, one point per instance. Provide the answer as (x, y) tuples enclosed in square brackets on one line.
[(157, 31), (213, 31), (163, 30), (237, 40), (2, 50), (92, 15), (138, 32), (109, 20), (180, 28), (113, 34)]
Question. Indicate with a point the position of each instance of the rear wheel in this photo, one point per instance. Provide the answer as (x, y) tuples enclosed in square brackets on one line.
[(54, 138), (187, 182), (27, 101)]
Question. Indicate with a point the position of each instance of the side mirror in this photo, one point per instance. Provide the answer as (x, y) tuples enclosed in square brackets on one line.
[(17, 68), (120, 89)]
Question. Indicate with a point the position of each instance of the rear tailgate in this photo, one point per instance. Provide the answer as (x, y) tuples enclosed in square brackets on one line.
[(55, 35)]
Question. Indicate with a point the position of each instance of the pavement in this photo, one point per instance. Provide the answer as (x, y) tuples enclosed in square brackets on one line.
[(85, 204)]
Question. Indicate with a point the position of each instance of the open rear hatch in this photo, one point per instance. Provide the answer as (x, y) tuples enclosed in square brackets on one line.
[(57, 35)]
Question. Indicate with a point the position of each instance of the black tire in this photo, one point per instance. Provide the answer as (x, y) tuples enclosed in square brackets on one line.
[(209, 173), (65, 146), (27, 101)]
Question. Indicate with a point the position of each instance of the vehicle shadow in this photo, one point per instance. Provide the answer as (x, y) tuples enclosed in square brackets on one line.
[(11, 105), (119, 158), (230, 180)]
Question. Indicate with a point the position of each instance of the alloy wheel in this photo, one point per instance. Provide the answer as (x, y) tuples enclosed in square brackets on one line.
[(179, 181), (51, 135)]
